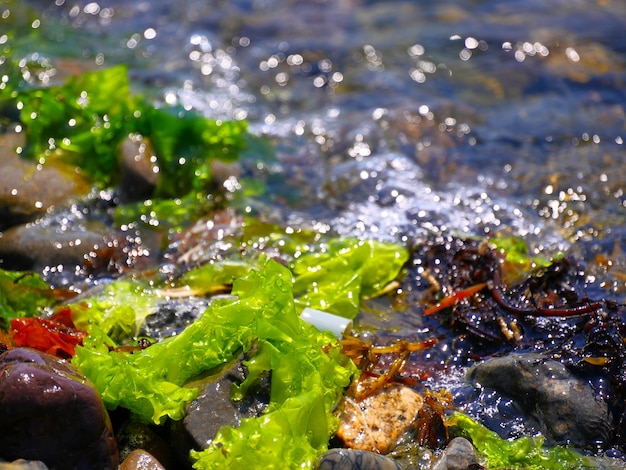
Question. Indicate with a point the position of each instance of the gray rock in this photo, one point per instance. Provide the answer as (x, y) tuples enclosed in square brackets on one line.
[(350, 459), (566, 407), (49, 412), (214, 408), (43, 243), (459, 455), (27, 190)]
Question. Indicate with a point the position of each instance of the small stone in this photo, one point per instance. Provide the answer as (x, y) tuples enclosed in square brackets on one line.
[(141, 460), (133, 436), (214, 408), (377, 422), (27, 190), (140, 174), (459, 455), (351, 459), (35, 245), (21, 464), (49, 412)]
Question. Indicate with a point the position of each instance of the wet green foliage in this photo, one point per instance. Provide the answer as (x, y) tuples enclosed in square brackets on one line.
[(525, 452), (337, 279), (83, 121), (23, 294), (308, 373), (518, 261), (333, 274)]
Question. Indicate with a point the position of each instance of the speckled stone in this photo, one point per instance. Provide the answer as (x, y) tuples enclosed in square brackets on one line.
[(351, 459)]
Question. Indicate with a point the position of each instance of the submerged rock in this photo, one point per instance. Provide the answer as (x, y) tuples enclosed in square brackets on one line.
[(49, 412), (566, 407), (350, 459)]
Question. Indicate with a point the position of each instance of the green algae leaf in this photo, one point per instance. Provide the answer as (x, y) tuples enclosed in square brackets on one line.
[(336, 279), (185, 143), (523, 453), (332, 276), (308, 376), (213, 277), (518, 261), (80, 122), (308, 371), (23, 294), (83, 122), (119, 311)]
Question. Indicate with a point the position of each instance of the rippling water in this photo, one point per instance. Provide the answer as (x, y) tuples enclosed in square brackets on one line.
[(469, 116)]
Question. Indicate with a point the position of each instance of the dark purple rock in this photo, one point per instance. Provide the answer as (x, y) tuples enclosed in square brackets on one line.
[(51, 413)]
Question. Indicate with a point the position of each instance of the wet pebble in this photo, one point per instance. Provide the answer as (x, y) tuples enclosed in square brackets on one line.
[(139, 440), (21, 464), (39, 244), (377, 422), (459, 455), (566, 407), (27, 190), (139, 170), (53, 413), (351, 459), (141, 460)]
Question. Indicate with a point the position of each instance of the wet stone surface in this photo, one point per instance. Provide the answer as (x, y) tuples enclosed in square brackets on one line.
[(350, 459), (214, 408), (27, 191), (46, 243), (567, 408), (52, 414), (141, 460), (459, 455)]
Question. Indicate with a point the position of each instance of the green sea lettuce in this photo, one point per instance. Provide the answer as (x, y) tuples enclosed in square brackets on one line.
[(308, 372), (526, 452), (23, 294), (119, 311), (518, 260), (333, 276), (84, 120), (336, 279)]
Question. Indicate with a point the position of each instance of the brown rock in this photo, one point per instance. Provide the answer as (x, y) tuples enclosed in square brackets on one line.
[(134, 436), (27, 189), (140, 173), (141, 460), (377, 422)]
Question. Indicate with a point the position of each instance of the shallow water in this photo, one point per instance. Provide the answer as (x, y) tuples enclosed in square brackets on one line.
[(392, 119), (465, 116)]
